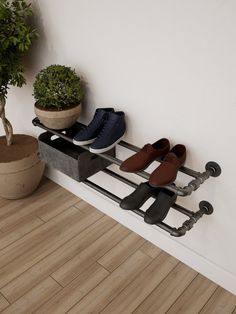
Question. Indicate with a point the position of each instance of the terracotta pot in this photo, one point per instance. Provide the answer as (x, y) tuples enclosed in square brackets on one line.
[(20, 167), (58, 119)]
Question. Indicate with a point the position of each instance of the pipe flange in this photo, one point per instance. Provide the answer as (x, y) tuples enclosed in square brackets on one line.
[(214, 167), (206, 207)]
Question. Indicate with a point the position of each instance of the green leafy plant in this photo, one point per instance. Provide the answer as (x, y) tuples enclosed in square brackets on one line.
[(57, 87), (16, 36)]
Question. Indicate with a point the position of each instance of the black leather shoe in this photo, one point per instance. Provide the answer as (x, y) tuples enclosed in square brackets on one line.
[(158, 211), (137, 198)]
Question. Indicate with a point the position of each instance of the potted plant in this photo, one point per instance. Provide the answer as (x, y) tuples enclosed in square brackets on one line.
[(20, 168), (58, 94)]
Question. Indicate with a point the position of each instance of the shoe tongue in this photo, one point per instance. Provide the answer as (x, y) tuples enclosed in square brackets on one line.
[(100, 113), (113, 116), (171, 157)]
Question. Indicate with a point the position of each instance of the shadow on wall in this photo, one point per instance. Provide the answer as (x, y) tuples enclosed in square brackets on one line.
[(43, 53), (34, 60), (88, 103)]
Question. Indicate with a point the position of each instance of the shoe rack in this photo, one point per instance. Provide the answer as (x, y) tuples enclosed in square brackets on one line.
[(212, 169)]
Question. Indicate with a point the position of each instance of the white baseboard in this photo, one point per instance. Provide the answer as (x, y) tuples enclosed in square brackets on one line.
[(151, 233)]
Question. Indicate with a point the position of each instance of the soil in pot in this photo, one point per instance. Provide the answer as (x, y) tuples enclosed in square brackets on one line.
[(20, 167)]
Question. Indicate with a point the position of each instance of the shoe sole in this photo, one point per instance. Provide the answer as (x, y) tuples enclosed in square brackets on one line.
[(105, 149), (142, 169), (82, 143)]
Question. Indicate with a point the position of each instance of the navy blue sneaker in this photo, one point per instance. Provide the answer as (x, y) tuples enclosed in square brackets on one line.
[(111, 133), (88, 134)]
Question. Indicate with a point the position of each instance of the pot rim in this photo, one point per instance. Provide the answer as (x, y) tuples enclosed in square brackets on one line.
[(57, 110)]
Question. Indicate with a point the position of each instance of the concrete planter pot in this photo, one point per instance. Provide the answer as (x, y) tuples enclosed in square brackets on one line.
[(20, 167), (72, 160), (58, 120)]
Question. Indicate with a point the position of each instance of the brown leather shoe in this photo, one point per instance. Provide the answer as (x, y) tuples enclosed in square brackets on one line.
[(142, 159), (166, 173)]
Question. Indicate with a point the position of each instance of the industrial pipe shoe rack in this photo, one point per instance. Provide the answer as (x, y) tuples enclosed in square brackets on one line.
[(212, 169)]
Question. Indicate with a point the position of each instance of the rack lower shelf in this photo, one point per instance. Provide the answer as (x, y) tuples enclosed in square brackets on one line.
[(205, 208)]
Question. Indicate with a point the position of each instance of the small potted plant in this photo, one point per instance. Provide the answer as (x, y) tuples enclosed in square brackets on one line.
[(20, 167), (58, 95)]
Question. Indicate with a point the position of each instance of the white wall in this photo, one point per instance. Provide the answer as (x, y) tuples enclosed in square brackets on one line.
[(171, 66)]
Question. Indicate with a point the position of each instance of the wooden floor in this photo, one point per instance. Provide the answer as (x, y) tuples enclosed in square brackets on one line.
[(60, 255)]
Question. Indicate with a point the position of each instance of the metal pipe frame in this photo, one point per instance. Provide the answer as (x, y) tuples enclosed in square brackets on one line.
[(177, 207), (139, 212), (176, 232), (199, 177)]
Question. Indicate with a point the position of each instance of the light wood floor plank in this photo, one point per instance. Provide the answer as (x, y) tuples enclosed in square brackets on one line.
[(150, 249), (166, 293), (30, 249), (13, 206), (194, 297), (20, 285), (134, 293), (3, 302), (104, 267), (84, 207), (37, 235), (56, 205), (45, 186), (24, 210), (75, 291), (87, 208), (92, 253), (120, 252), (4, 202), (34, 298), (16, 232), (109, 288), (221, 301)]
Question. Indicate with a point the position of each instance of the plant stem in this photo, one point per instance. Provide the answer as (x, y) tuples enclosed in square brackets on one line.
[(6, 124)]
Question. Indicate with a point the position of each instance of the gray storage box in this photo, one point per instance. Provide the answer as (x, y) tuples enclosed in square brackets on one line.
[(70, 159)]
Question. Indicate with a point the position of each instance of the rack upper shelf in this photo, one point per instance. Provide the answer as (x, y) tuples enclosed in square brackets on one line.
[(212, 169)]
